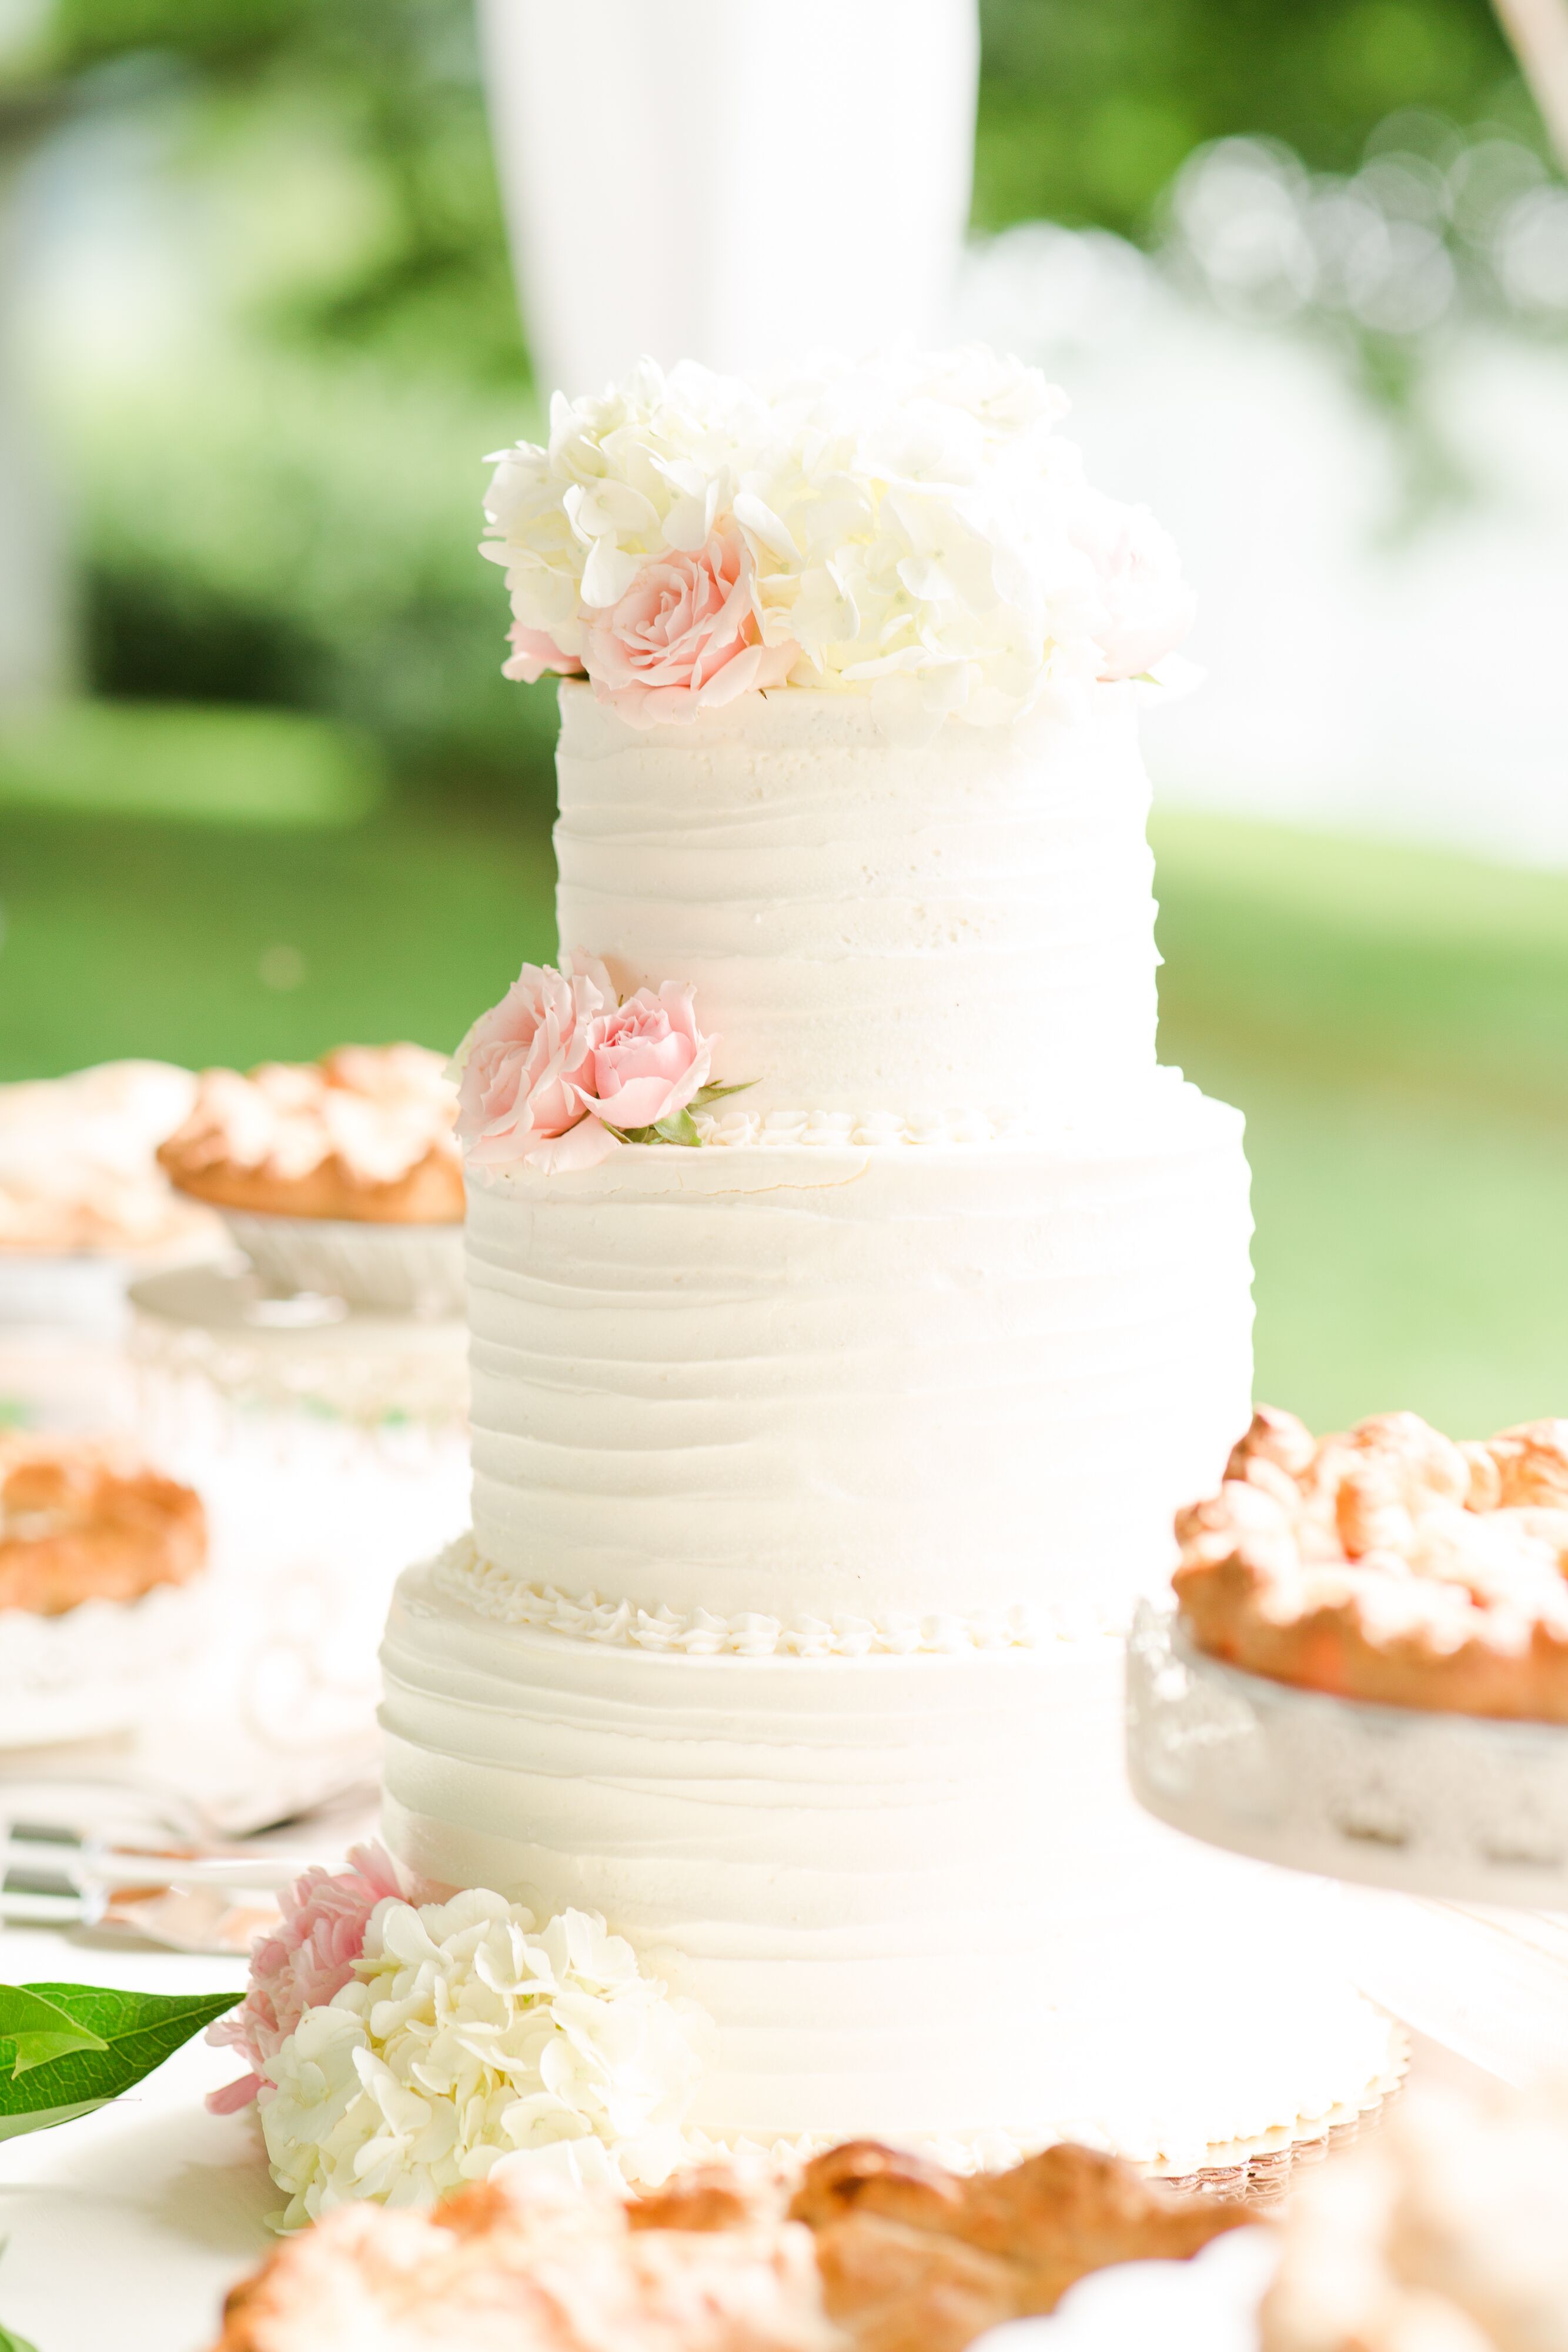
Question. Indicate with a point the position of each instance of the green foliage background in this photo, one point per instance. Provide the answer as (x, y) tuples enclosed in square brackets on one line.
[(1087, 112), (296, 525)]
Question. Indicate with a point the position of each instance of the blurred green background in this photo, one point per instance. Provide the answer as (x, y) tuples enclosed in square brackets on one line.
[(290, 800)]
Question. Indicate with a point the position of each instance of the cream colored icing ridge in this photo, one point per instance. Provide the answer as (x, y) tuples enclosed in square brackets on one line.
[(969, 921), (738, 1381), (511, 1599)]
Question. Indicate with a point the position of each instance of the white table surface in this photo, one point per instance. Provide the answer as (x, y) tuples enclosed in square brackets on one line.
[(123, 2230)]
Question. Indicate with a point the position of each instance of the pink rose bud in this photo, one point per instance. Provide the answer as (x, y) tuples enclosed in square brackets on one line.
[(646, 1060)]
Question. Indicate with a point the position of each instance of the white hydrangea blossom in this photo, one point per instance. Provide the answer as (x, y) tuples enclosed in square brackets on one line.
[(919, 530), (468, 2037)]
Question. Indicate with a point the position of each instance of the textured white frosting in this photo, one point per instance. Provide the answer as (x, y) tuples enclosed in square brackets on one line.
[(911, 1893), (805, 1381), (871, 924), (806, 1468)]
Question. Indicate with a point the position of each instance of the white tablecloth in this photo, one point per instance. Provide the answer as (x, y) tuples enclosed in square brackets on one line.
[(124, 2229)]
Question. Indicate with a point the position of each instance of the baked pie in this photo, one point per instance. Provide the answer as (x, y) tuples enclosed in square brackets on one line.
[(78, 1166), (89, 1522), (365, 1136), (1389, 1563), (876, 2251)]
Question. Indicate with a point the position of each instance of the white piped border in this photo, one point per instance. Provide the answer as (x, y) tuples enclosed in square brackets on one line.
[(498, 1593), (738, 1129)]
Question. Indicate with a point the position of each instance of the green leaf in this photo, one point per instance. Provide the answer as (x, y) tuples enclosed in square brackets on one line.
[(41, 2029), (680, 1127), (706, 1094), (679, 1130), (11, 2342), (115, 2039)]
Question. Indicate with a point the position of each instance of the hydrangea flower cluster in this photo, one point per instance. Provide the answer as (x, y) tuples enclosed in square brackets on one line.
[(465, 2037), (915, 530), (452, 2035)]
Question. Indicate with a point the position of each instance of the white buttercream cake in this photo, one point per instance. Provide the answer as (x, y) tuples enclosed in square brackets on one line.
[(824, 1431)]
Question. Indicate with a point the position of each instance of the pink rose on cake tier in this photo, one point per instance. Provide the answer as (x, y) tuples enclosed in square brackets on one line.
[(517, 1099), (684, 636), (310, 1958), (1146, 607), (559, 1075), (647, 1062), (535, 655)]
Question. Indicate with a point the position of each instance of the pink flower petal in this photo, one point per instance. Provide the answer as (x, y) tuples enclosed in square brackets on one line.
[(234, 2095), (583, 1146)]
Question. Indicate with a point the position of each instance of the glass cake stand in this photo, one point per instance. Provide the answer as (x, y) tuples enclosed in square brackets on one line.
[(329, 1449), (1456, 1806), (1448, 1831)]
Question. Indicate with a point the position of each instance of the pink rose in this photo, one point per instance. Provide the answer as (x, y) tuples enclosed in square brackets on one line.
[(647, 1059), (516, 1066), (684, 636), (310, 1958), (534, 654), (1148, 607)]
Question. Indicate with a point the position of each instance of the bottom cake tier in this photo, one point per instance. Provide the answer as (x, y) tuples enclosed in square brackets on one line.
[(911, 1892)]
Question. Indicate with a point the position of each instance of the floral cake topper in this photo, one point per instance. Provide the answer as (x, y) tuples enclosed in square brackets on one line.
[(915, 529), (562, 1071)]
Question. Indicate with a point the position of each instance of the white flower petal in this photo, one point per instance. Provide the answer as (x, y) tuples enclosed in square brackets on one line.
[(918, 512), (469, 2036)]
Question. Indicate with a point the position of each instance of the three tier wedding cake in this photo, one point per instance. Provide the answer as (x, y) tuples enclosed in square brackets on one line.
[(853, 1300)]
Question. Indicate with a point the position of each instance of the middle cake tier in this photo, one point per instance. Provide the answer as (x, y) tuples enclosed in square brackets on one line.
[(813, 1392)]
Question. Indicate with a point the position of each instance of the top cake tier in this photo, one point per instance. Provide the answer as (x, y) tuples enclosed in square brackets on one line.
[(960, 924)]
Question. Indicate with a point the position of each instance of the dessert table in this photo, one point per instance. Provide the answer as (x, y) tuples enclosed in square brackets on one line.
[(126, 2226)]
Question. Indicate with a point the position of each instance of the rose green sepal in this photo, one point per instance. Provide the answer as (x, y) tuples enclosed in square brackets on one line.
[(66, 2049), (680, 1127), (11, 2342), (706, 1095)]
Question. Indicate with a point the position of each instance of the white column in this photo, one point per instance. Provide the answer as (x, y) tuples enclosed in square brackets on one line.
[(735, 181), (36, 652)]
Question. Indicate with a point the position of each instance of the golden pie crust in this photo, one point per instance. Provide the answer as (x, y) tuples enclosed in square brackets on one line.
[(875, 2252), (85, 1522), (77, 1172), (1387, 1562), (917, 2259), (365, 1135)]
